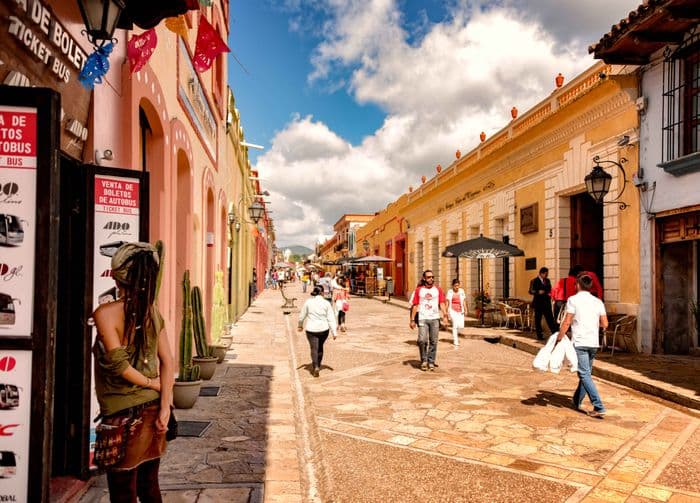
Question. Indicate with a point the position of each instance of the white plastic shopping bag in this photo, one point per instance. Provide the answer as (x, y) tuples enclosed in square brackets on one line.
[(541, 361)]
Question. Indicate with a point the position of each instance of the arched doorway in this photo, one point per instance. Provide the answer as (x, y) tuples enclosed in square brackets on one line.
[(183, 227)]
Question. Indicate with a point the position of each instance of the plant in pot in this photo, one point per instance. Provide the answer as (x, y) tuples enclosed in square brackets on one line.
[(204, 358), (218, 319), (188, 382)]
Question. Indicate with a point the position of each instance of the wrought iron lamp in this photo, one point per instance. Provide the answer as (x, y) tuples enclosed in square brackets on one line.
[(100, 18), (598, 182)]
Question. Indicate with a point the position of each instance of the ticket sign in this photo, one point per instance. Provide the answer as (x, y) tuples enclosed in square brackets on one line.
[(18, 176)]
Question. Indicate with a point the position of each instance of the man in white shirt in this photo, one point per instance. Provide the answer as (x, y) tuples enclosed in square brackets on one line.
[(585, 314), (429, 302)]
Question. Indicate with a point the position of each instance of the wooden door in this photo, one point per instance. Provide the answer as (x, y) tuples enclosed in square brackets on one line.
[(400, 268), (677, 261), (587, 234)]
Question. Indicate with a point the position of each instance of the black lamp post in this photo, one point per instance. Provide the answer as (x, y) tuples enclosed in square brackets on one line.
[(598, 182), (256, 211), (100, 18)]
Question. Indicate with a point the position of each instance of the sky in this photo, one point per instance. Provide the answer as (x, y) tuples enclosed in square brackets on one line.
[(355, 100)]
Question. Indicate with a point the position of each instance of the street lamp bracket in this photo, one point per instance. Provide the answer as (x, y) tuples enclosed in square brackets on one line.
[(598, 181)]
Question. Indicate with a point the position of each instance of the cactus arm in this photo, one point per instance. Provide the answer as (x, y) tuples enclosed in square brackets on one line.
[(160, 247), (200, 335), (186, 331)]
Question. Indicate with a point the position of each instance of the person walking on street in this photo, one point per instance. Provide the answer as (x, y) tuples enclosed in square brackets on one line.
[(326, 285), (540, 288), (341, 302), (586, 315), (320, 321), (134, 373), (428, 302), (456, 308)]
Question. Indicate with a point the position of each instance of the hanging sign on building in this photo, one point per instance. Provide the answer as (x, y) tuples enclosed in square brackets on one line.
[(195, 101), (117, 212), (15, 408), (36, 49), (18, 154)]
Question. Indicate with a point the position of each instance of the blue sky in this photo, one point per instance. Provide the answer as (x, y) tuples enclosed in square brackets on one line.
[(354, 100)]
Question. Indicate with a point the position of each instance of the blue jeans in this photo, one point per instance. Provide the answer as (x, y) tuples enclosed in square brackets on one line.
[(586, 386), (428, 332)]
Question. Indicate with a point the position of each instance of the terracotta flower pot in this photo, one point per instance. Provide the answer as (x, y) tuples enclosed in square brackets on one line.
[(559, 80), (514, 113), (185, 393), (207, 366), (482, 136), (220, 352), (458, 154)]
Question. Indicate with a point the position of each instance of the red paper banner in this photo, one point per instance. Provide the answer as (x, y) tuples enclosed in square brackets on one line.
[(209, 46), (140, 49)]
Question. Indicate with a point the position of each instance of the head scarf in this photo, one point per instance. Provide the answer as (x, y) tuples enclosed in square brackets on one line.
[(122, 259)]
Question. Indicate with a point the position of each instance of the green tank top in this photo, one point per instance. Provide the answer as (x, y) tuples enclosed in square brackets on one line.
[(114, 393)]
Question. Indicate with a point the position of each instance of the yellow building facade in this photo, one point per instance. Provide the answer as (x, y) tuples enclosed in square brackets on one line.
[(525, 185)]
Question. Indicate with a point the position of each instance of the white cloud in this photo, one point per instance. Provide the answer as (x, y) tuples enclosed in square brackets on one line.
[(460, 78)]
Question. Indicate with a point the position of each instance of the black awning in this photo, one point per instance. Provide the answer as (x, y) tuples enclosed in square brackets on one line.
[(482, 247), (148, 13)]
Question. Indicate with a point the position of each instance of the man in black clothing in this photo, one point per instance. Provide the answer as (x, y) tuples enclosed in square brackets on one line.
[(540, 288)]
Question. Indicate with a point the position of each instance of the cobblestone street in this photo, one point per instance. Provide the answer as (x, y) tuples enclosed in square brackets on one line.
[(483, 427)]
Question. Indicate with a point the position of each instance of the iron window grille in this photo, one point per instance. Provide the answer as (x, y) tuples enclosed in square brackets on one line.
[(681, 99)]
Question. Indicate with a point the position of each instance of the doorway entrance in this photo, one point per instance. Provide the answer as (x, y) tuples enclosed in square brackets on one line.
[(680, 280), (400, 273), (587, 234)]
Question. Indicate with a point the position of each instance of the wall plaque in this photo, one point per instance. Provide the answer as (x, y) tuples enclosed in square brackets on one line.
[(528, 219)]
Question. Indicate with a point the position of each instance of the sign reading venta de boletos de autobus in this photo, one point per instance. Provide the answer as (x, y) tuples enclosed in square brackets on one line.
[(44, 36)]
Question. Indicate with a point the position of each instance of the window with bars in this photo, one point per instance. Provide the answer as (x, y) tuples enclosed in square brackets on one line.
[(435, 258), (420, 265), (681, 107)]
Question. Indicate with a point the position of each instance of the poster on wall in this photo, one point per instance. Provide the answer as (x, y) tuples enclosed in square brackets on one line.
[(15, 408), (18, 163), (117, 213)]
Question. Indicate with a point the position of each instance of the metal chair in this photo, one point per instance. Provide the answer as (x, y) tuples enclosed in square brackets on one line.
[(508, 313), (624, 328)]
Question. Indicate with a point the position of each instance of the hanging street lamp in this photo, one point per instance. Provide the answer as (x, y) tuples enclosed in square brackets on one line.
[(598, 182), (100, 18), (256, 211)]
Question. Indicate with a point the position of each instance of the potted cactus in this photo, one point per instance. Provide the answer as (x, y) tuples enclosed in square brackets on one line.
[(204, 358), (218, 319), (188, 382)]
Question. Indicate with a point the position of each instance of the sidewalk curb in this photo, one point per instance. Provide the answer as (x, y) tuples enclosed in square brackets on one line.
[(603, 370)]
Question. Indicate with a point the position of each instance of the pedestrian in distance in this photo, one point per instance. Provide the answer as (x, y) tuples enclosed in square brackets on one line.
[(320, 322), (428, 303), (326, 284), (456, 307), (565, 288), (134, 373), (540, 288), (586, 315), (341, 302)]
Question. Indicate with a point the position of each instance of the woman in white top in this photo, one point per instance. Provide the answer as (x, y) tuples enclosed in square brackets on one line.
[(320, 320), (456, 308)]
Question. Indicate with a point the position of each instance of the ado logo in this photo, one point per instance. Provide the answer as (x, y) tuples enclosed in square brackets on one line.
[(117, 228), (7, 363), (9, 193), (9, 272)]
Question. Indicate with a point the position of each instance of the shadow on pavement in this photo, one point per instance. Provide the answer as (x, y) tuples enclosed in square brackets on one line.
[(549, 399), (309, 367), (413, 363)]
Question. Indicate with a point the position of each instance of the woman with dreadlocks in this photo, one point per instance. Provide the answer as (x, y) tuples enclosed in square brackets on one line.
[(134, 373)]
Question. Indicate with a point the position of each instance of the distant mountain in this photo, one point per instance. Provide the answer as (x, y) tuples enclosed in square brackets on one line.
[(298, 250)]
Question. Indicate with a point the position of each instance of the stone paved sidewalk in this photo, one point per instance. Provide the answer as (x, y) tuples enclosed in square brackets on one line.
[(670, 377), (251, 453)]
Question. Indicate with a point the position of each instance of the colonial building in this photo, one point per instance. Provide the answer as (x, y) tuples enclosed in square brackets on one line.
[(661, 40)]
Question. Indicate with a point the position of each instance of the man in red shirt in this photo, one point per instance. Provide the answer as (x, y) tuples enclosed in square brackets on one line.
[(429, 302)]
